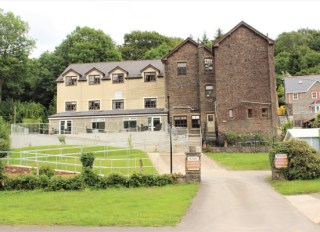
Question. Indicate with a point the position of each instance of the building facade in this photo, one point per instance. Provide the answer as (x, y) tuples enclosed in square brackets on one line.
[(230, 88), (110, 96), (209, 91), (302, 97)]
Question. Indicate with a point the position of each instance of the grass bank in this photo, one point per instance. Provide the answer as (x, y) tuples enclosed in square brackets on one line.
[(242, 161), (296, 186), (159, 206)]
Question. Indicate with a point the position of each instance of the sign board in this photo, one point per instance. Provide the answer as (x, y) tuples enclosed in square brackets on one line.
[(193, 163), (281, 160)]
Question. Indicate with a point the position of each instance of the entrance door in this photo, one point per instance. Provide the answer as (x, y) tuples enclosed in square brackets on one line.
[(65, 127), (155, 123), (210, 123)]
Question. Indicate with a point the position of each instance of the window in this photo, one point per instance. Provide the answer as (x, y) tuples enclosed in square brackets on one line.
[(117, 104), (150, 103), (180, 121), (295, 96), (130, 123), (71, 106), (315, 109), (264, 112), (314, 95), (71, 80), (182, 68), (65, 127), (230, 113), (99, 126), (149, 76), (117, 78), (94, 79), (209, 91), (250, 113), (94, 105), (208, 64), (195, 121)]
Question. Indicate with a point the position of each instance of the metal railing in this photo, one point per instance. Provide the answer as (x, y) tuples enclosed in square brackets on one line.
[(63, 161)]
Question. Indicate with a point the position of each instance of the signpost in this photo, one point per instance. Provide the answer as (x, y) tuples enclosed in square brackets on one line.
[(281, 161)]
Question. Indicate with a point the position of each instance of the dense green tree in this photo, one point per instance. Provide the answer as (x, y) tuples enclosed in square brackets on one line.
[(218, 35), (85, 45), (15, 47), (139, 45)]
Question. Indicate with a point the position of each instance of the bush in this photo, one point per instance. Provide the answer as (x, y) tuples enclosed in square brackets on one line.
[(89, 177), (231, 138), (3, 177), (116, 180), (59, 183), (23, 182), (303, 160), (4, 137), (45, 171), (87, 159)]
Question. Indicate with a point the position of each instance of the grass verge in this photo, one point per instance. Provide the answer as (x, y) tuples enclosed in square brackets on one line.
[(161, 206), (296, 186), (242, 161)]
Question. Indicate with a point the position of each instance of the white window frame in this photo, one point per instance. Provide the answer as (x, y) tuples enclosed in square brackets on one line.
[(149, 98), (314, 93), (150, 76), (115, 100), (295, 96), (96, 100), (65, 105), (94, 79)]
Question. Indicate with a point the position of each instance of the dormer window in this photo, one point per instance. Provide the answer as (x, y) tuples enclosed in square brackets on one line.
[(149, 76), (117, 78), (71, 80), (94, 79)]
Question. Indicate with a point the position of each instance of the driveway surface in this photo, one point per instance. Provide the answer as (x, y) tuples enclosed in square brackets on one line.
[(227, 201)]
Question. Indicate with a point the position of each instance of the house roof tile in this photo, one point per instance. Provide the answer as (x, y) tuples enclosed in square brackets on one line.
[(299, 84)]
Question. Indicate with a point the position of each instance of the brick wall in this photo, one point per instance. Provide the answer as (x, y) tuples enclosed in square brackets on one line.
[(244, 75)]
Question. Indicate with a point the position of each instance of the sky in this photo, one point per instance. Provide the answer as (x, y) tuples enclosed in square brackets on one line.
[(51, 21)]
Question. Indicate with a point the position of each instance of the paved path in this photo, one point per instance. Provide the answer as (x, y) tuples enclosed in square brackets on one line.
[(227, 201)]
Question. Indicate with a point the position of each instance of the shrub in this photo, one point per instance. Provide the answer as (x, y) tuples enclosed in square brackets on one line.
[(23, 182), (45, 171), (116, 180), (59, 183), (87, 159), (89, 177), (303, 161), (62, 139), (3, 177), (231, 138)]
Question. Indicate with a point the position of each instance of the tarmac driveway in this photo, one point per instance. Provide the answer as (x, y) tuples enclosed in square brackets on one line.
[(227, 201)]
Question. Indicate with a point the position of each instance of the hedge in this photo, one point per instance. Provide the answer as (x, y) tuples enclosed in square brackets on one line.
[(303, 160)]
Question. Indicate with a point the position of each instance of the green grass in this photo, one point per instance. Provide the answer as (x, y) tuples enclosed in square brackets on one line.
[(296, 186), (128, 163), (159, 206), (242, 161)]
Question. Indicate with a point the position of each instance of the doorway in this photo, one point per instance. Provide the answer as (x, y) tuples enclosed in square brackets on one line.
[(154, 123), (210, 123), (65, 127)]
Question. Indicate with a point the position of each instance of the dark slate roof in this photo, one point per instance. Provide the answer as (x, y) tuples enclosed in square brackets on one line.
[(100, 113), (299, 84), (133, 68)]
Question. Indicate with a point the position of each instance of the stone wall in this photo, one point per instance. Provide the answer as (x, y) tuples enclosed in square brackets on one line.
[(244, 75)]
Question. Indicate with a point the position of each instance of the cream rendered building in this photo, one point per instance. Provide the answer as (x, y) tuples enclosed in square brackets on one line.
[(110, 96)]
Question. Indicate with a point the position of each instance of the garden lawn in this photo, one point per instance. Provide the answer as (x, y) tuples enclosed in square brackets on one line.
[(296, 186), (158, 206), (242, 161), (64, 157)]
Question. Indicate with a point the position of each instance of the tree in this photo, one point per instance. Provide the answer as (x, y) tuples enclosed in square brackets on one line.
[(218, 35), (138, 45), (87, 45), (205, 40), (15, 48)]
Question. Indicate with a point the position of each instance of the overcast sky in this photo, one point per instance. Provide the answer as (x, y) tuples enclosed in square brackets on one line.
[(51, 21)]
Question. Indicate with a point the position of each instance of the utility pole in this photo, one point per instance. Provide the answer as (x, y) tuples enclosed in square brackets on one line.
[(170, 134)]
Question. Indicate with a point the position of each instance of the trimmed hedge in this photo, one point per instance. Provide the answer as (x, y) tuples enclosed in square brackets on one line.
[(303, 160), (87, 179)]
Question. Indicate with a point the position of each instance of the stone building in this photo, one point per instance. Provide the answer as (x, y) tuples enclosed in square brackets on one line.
[(209, 91), (229, 89)]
